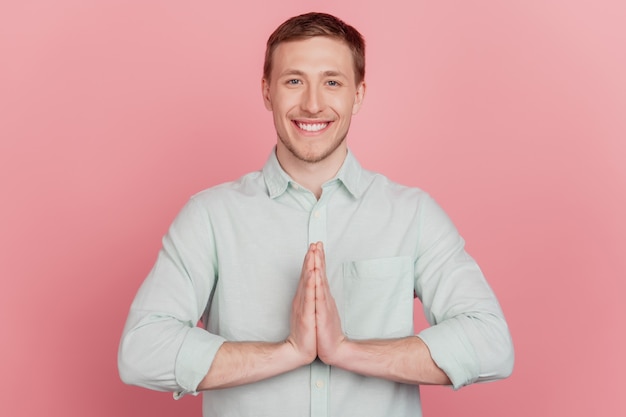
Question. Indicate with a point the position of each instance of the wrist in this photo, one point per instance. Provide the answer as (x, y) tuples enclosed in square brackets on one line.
[(339, 355), (291, 353)]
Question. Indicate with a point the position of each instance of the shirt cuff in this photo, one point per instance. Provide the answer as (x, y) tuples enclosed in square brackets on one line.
[(195, 358), (452, 352)]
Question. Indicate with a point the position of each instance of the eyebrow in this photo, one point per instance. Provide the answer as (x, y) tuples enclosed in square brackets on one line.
[(334, 74), (291, 72), (328, 73)]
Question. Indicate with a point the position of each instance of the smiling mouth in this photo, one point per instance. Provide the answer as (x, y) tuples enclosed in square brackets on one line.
[(312, 127)]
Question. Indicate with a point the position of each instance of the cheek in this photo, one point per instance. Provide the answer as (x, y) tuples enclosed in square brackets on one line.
[(284, 104), (345, 104)]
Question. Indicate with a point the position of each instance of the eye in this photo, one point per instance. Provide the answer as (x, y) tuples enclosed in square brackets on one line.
[(294, 81), (333, 83)]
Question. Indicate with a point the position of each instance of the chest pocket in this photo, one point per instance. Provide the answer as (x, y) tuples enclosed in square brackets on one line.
[(378, 298)]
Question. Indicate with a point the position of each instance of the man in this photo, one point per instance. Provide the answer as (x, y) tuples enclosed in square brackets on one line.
[(331, 335)]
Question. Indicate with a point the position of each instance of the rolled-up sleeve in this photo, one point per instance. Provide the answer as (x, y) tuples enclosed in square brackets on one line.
[(468, 338), (161, 346)]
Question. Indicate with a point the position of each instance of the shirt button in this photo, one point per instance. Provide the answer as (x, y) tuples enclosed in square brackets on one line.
[(296, 187), (319, 383), (316, 214)]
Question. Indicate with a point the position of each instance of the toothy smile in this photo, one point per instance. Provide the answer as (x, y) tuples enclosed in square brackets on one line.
[(312, 127)]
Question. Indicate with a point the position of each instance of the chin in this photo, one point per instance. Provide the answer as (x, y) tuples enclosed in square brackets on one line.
[(312, 152)]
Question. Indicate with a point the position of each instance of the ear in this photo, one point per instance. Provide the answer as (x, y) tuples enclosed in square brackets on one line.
[(265, 91), (359, 96)]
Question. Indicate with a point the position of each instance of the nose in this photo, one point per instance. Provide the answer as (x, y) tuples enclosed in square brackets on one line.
[(312, 101)]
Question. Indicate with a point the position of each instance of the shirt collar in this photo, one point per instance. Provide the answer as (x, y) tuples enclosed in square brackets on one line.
[(277, 180)]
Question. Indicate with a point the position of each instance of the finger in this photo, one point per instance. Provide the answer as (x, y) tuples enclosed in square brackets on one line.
[(321, 258), (308, 282), (308, 265), (304, 299), (320, 265), (322, 290), (309, 259), (316, 251), (302, 293)]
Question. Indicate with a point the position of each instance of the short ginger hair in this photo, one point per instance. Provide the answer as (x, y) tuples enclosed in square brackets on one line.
[(317, 24)]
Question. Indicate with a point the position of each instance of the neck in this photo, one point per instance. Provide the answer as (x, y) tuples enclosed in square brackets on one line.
[(311, 175)]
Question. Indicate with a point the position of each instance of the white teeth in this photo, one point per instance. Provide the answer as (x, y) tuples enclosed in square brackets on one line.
[(314, 127)]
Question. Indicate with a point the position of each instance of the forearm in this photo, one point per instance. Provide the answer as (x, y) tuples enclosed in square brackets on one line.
[(239, 363), (405, 360)]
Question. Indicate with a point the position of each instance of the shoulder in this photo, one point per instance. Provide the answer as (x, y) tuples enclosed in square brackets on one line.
[(248, 186), (403, 200), (222, 199), (378, 185)]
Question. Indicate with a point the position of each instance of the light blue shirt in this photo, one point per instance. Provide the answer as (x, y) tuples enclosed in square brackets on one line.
[(233, 257)]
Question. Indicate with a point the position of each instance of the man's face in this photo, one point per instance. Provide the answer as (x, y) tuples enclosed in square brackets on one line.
[(312, 94)]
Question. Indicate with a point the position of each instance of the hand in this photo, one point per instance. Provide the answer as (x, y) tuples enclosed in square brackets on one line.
[(302, 334), (330, 335)]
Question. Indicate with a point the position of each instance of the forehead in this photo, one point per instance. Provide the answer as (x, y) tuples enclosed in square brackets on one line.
[(316, 54)]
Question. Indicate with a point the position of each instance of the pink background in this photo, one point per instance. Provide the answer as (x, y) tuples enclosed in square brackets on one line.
[(511, 114)]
